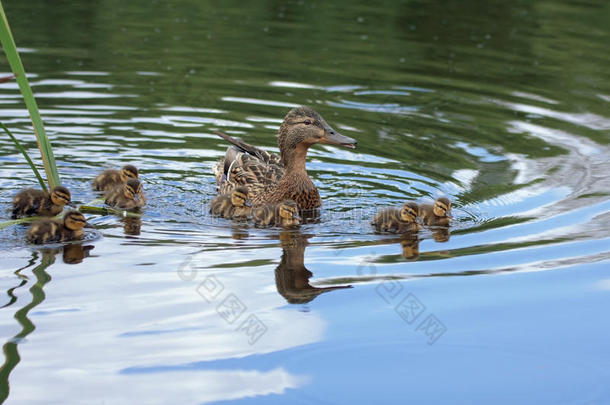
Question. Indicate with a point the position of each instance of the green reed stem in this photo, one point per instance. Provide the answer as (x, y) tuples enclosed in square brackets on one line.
[(25, 155), (89, 209), (8, 43)]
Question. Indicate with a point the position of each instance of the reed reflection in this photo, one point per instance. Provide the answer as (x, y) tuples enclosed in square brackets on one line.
[(72, 253), (291, 275)]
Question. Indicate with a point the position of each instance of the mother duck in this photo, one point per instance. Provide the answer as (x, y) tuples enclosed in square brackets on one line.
[(271, 178)]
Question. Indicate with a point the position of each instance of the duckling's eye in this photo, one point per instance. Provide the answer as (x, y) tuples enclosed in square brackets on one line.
[(307, 122)]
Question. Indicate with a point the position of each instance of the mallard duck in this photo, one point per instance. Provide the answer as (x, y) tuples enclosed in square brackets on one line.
[(108, 179), (283, 214), (31, 201), (57, 230), (272, 178), (232, 205), (438, 214), (126, 196), (397, 220)]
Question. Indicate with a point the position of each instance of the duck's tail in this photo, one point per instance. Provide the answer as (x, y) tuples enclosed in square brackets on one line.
[(244, 147)]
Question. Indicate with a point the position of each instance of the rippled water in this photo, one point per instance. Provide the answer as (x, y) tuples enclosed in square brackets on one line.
[(502, 107)]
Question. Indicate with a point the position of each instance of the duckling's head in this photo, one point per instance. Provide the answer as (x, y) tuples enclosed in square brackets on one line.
[(129, 172), (289, 211), (60, 196), (442, 207), (408, 212), (302, 127), (132, 189), (74, 220), (239, 196)]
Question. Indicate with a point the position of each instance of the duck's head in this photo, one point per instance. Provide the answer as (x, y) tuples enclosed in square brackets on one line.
[(408, 212), (132, 189), (74, 220), (289, 212), (239, 196), (60, 196), (129, 172), (303, 127), (442, 207)]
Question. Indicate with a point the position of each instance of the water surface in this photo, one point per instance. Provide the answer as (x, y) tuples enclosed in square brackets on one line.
[(503, 108)]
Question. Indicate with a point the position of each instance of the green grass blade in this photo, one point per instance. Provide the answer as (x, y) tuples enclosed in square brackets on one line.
[(14, 60), (25, 155)]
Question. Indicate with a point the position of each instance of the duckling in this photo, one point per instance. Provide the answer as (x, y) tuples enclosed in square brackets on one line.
[(57, 230), (31, 201), (109, 179), (126, 196), (438, 214), (284, 214), (232, 205), (397, 220)]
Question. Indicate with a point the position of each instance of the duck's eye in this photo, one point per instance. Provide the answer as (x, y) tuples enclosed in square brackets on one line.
[(307, 122)]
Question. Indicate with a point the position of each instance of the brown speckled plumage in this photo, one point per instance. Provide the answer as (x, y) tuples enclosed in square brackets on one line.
[(31, 201), (396, 220), (232, 205), (127, 196), (437, 214), (285, 214), (109, 179), (271, 178), (57, 230)]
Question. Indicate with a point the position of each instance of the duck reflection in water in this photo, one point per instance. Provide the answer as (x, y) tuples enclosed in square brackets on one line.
[(410, 246), (75, 253), (291, 275), (132, 225)]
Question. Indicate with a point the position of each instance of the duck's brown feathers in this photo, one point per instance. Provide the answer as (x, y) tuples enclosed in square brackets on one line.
[(31, 201), (223, 207), (269, 215), (389, 220), (51, 230), (426, 213), (107, 180), (116, 198)]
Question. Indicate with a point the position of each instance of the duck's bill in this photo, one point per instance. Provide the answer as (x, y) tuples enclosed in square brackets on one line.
[(88, 225), (334, 138), (71, 205)]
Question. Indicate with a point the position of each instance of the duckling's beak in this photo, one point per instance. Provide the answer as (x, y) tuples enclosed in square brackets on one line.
[(71, 205), (332, 137), (88, 225)]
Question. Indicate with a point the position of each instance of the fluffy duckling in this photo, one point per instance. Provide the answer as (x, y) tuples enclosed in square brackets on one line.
[(438, 214), (31, 201), (397, 220), (284, 214), (57, 230), (232, 205), (109, 179), (126, 196)]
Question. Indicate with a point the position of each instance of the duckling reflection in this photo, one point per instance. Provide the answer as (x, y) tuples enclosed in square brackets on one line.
[(131, 225), (75, 253), (410, 246), (291, 275), (441, 234)]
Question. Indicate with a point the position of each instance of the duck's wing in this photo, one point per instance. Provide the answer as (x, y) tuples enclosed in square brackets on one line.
[(247, 165), (262, 155)]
